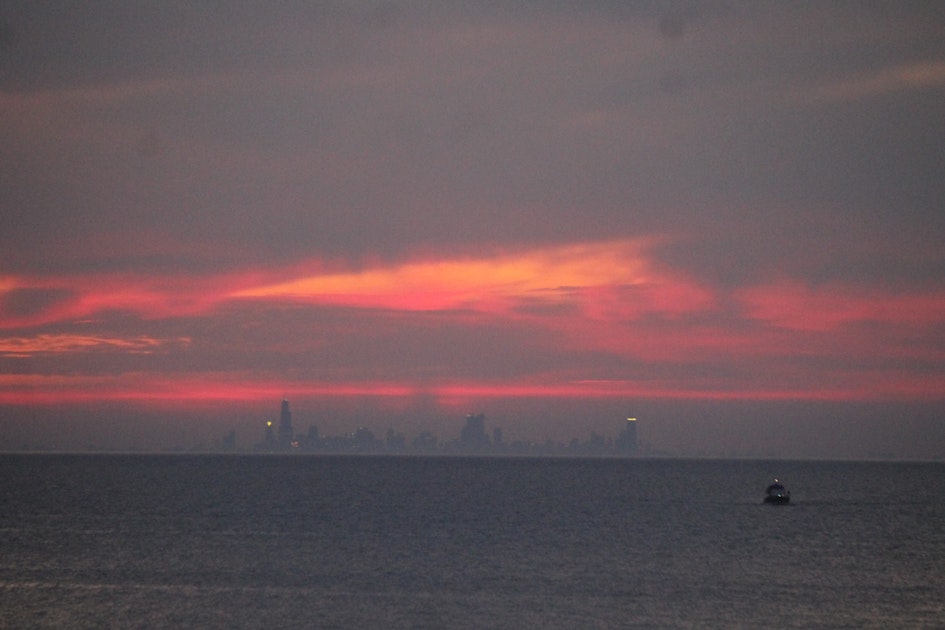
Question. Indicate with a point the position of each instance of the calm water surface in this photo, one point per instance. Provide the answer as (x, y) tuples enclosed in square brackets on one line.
[(336, 542)]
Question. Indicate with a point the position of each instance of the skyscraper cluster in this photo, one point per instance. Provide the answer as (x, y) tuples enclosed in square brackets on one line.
[(472, 439)]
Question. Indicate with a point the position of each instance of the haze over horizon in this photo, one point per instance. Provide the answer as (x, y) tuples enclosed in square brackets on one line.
[(723, 218)]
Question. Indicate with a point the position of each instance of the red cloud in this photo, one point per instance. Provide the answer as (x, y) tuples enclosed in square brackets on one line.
[(621, 323)]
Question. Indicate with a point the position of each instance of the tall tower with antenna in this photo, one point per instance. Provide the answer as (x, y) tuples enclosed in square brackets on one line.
[(285, 425)]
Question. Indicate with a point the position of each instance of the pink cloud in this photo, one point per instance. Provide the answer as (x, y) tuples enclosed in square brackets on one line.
[(796, 306), (596, 320)]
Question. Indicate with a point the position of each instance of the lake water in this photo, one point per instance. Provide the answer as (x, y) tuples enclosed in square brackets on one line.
[(378, 542)]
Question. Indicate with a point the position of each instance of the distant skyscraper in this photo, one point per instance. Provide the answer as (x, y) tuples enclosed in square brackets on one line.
[(473, 435), (626, 442), (285, 425)]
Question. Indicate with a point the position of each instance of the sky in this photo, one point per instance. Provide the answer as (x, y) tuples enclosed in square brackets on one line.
[(724, 218)]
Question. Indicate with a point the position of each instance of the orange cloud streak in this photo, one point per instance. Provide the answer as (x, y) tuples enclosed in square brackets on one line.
[(65, 343), (914, 76), (490, 284)]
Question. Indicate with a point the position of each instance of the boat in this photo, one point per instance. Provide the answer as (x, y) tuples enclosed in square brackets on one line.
[(776, 494)]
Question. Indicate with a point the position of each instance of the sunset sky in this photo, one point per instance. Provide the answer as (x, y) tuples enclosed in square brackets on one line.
[(725, 218)]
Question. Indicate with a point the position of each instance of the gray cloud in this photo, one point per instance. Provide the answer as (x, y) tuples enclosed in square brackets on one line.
[(350, 129)]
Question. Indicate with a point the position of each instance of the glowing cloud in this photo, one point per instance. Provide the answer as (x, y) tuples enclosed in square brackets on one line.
[(496, 284), (487, 283), (586, 320), (66, 343)]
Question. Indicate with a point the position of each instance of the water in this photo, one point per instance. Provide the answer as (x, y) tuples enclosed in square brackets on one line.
[(339, 542)]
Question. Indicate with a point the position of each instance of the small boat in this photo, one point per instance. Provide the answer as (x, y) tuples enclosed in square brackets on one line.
[(776, 494)]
